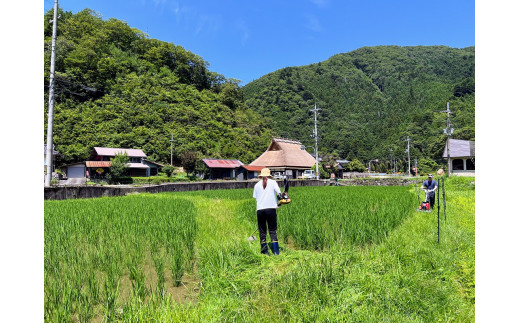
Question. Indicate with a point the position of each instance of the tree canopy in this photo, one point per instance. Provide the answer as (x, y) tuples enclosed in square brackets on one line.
[(371, 99), (115, 87)]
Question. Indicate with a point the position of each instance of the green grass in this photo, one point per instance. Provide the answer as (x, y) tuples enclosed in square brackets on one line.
[(370, 258)]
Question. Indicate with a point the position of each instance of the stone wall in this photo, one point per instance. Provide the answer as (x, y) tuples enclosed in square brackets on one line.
[(391, 181), (75, 192)]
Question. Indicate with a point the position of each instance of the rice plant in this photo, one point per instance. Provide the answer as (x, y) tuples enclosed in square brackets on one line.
[(324, 217), (96, 250), (349, 254)]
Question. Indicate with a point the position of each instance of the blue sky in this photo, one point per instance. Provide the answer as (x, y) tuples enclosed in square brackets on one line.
[(245, 39)]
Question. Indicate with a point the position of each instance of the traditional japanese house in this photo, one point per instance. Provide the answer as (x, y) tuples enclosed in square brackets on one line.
[(285, 157)]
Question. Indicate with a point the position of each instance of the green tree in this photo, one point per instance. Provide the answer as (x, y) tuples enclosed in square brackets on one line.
[(329, 162), (116, 87), (356, 166), (201, 169), (323, 173), (372, 97), (189, 161), (427, 166), (118, 167)]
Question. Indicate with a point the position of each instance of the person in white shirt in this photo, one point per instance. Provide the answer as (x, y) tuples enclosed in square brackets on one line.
[(266, 194)]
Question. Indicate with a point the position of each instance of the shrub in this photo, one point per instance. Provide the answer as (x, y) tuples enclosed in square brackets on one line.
[(356, 166), (168, 170), (146, 180)]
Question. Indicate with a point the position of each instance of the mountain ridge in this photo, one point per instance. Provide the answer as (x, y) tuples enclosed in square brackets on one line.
[(373, 97)]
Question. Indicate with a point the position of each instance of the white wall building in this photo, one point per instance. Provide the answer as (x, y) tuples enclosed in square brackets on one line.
[(462, 157)]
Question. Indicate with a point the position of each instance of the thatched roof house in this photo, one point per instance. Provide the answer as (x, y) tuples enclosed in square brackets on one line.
[(287, 157)]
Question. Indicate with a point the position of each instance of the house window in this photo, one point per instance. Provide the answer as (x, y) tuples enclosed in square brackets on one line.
[(458, 164), (470, 165)]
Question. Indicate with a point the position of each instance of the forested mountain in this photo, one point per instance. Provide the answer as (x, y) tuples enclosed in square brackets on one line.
[(115, 87), (372, 99)]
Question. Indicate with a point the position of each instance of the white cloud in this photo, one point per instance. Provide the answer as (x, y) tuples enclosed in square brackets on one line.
[(244, 30), (320, 3), (189, 18), (159, 2), (313, 23), (207, 24)]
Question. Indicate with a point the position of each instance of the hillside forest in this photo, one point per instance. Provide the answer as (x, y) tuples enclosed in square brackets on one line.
[(371, 100), (117, 87)]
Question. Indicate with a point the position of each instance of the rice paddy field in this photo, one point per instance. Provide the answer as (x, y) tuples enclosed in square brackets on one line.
[(348, 254)]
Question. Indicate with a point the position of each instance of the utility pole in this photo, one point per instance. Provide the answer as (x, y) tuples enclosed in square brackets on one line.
[(392, 159), (315, 134), (408, 150), (49, 148), (171, 151), (448, 131)]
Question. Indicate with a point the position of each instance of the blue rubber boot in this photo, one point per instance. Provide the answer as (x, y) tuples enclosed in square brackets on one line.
[(276, 249), (264, 249)]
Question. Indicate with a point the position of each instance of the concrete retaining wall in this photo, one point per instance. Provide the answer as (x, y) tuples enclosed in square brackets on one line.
[(75, 192)]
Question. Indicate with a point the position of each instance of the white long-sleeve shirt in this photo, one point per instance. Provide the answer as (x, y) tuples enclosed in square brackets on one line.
[(266, 198)]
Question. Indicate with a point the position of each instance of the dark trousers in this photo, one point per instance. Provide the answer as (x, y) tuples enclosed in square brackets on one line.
[(266, 218), (431, 197)]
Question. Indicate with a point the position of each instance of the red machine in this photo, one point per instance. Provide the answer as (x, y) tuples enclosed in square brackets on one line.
[(425, 206)]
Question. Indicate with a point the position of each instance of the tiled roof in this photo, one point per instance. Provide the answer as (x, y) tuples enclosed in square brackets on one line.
[(104, 151), (285, 153), (223, 163), (460, 148)]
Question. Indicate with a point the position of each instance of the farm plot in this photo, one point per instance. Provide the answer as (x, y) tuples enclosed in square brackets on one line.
[(350, 254), (102, 252), (332, 216)]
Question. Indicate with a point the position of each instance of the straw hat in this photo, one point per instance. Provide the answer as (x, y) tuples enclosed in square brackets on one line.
[(265, 172)]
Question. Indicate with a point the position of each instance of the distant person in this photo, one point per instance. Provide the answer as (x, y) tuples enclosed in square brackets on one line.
[(266, 192), (334, 178), (430, 184)]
